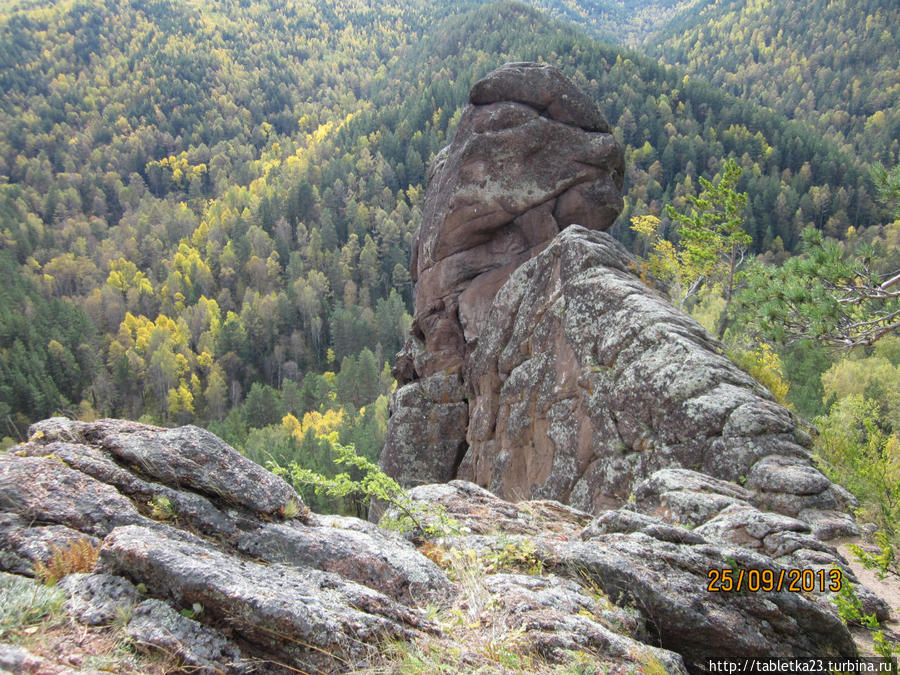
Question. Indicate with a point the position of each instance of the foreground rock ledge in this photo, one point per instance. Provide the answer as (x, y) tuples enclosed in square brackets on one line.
[(657, 568), (626, 590), (194, 521)]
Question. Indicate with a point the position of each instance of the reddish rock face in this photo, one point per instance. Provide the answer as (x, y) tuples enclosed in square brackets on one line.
[(542, 365), (586, 381), (532, 155)]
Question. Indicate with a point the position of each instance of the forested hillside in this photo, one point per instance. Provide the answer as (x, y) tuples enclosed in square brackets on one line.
[(207, 209), (831, 63), (627, 22)]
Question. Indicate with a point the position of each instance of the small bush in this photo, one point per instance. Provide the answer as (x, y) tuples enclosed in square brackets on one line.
[(373, 483), (764, 366)]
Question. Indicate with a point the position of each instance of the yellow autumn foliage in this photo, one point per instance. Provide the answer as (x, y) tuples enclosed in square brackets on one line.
[(764, 365), (323, 425)]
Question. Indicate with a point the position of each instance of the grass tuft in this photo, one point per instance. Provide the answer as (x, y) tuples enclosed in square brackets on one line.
[(24, 603)]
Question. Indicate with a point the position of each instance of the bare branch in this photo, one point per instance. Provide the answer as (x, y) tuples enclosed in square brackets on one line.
[(890, 282)]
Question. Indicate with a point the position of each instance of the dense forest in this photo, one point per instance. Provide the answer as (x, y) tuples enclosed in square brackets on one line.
[(627, 22), (830, 63), (206, 209)]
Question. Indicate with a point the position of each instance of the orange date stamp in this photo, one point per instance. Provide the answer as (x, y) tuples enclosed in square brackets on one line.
[(794, 580)]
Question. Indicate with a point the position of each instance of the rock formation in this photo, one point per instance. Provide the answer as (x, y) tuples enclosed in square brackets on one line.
[(532, 155), (203, 564), (586, 381), (541, 364), (544, 366)]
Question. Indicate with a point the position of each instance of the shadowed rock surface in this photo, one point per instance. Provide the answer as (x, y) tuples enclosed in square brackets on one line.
[(201, 648)]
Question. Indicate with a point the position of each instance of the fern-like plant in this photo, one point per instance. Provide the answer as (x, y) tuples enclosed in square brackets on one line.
[(79, 556)]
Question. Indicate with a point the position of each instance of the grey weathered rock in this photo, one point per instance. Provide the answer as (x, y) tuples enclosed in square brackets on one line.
[(189, 507), (182, 457), (667, 582), (830, 524), (20, 661), (477, 511), (792, 485), (311, 618), (649, 492), (193, 532), (543, 88), (201, 648), (631, 521), (323, 593), (557, 617), (389, 565), (98, 599), (587, 382), (23, 544), (45, 490), (774, 534), (661, 570), (426, 435)]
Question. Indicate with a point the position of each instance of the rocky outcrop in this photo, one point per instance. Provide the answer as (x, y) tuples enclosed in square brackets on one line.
[(656, 568), (227, 582), (558, 374), (586, 381), (192, 523), (590, 389), (531, 155), (542, 364), (198, 563)]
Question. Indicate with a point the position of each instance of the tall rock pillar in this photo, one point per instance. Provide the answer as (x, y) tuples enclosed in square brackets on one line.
[(531, 156)]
